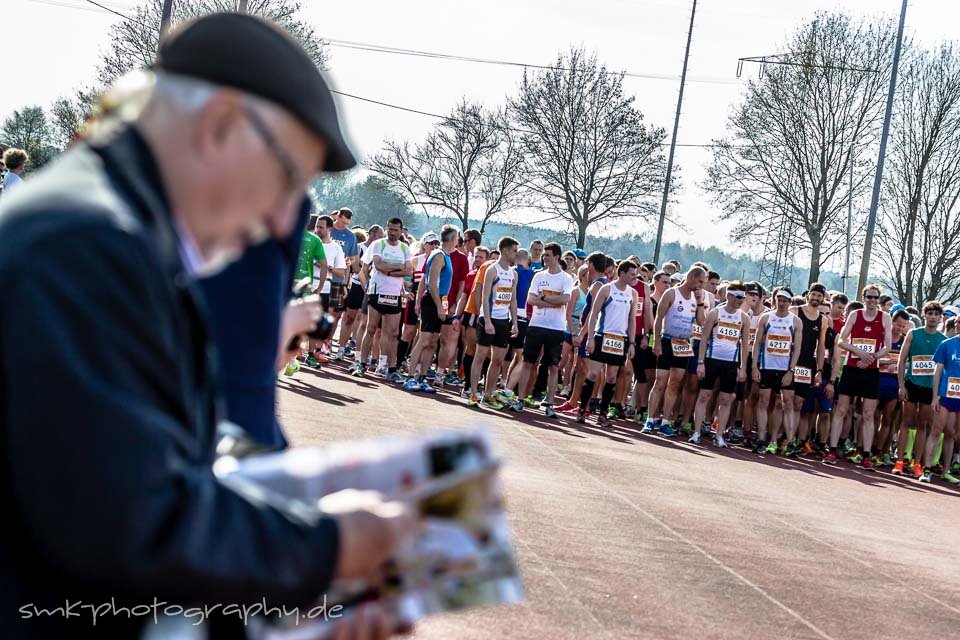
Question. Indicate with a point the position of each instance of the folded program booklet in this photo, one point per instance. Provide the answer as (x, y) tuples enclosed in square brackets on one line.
[(463, 556)]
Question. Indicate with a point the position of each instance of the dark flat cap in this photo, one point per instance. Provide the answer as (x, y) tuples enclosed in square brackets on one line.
[(255, 56)]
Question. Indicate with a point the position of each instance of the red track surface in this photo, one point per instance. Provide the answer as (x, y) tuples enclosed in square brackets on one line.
[(627, 536)]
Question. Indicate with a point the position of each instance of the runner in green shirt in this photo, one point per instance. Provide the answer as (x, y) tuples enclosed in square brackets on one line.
[(311, 253)]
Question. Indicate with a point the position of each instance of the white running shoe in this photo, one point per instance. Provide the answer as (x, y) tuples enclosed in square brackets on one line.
[(720, 442), (695, 438)]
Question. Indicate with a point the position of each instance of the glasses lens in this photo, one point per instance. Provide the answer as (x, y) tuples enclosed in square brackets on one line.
[(872, 297)]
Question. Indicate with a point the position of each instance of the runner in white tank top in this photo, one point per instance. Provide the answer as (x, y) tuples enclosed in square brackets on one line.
[(502, 293)]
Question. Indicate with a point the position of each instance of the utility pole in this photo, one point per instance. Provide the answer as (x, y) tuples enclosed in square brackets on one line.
[(165, 20), (846, 261), (673, 140), (875, 199)]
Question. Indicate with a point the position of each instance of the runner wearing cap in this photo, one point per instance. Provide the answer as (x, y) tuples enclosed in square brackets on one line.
[(498, 322), (432, 306), (915, 373), (865, 338), (678, 310), (722, 359), (612, 327), (775, 354), (391, 262)]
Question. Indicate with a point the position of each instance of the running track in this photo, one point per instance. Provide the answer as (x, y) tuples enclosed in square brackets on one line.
[(627, 536)]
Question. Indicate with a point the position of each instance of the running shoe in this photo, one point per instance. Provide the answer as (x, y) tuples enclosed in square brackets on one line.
[(311, 361), (491, 403), (548, 412), (791, 449), (917, 470), (394, 377), (695, 438), (426, 388), (927, 476), (629, 413), (348, 350), (667, 431), (937, 469), (949, 477), (955, 468), (473, 403), (566, 391), (452, 380), (868, 463), (772, 448), (685, 429), (566, 407), (357, 370), (649, 428), (412, 385), (848, 447), (706, 430), (898, 468), (807, 449), (431, 375), (830, 458), (340, 356), (720, 442), (603, 421), (736, 435), (856, 458), (382, 372), (292, 368), (581, 417), (502, 396), (516, 405), (466, 392), (530, 402)]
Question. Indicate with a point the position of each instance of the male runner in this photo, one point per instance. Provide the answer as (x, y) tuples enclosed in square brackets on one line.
[(549, 293), (946, 407), (808, 374), (612, 324), (754, 308), (536, 255), (915, 372), (775, 354), (866, 337), (678, 310), (498, 321), (432, 306), (343, 236), (467, 309), (889, 401), (722, 357), (450, 326), (391, 261)]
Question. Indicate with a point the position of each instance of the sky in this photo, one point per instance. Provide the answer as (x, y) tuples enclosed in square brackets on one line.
[(639, 36)]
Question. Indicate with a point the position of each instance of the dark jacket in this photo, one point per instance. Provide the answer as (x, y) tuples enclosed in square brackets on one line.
[(108, 415)]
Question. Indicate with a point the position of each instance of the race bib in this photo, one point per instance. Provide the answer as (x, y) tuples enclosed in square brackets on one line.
[(729, 331), (389, 301), (953, 388), (612, 344), (681, 348), (696, 332), (867, 345), (923, 366), (778, 345), (503, 295), (639, 306), (444, 304), (753, 336), (802, 375)]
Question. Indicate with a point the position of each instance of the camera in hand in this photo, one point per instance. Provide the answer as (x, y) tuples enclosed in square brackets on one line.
[(324, 328)]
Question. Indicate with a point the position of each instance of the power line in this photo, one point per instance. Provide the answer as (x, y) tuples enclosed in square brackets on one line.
[(376, 48)]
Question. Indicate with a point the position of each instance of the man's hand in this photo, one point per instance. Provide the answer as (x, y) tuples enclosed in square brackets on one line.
[(741, 375), (698, 295), (371, 529), (701, 371), (300, 316), (488, 328), (936, 405), (902, 393), (657, 348), (828, 391), (817, 379), (441, 313), (866, 359), (783, 380), (514, 330), (631, 351), (576, 340), (590, 346), (756, 375)]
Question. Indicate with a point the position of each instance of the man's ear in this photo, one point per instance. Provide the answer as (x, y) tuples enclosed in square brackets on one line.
[(219, 118)]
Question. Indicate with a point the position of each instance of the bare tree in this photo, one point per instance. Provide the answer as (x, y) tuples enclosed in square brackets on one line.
[(799, 132), (470, 166), (133, 43), (29, 129), (919, 246), (591, 159)]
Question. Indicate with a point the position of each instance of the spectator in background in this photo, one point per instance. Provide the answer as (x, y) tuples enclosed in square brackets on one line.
[(536, 255), (15, 161)]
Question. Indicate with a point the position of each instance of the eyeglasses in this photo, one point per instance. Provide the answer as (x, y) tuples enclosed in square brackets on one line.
[(739, 295), (291, 177), (871, 297)]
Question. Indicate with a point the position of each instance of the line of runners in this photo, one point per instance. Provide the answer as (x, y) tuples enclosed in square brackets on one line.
[(687, 354)]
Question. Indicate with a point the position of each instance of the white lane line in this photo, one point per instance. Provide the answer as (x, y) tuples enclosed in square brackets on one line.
[(862, 562), (679, 536)]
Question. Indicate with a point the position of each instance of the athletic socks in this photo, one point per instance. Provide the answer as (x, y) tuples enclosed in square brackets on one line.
[(605, 397), (585, 394)]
